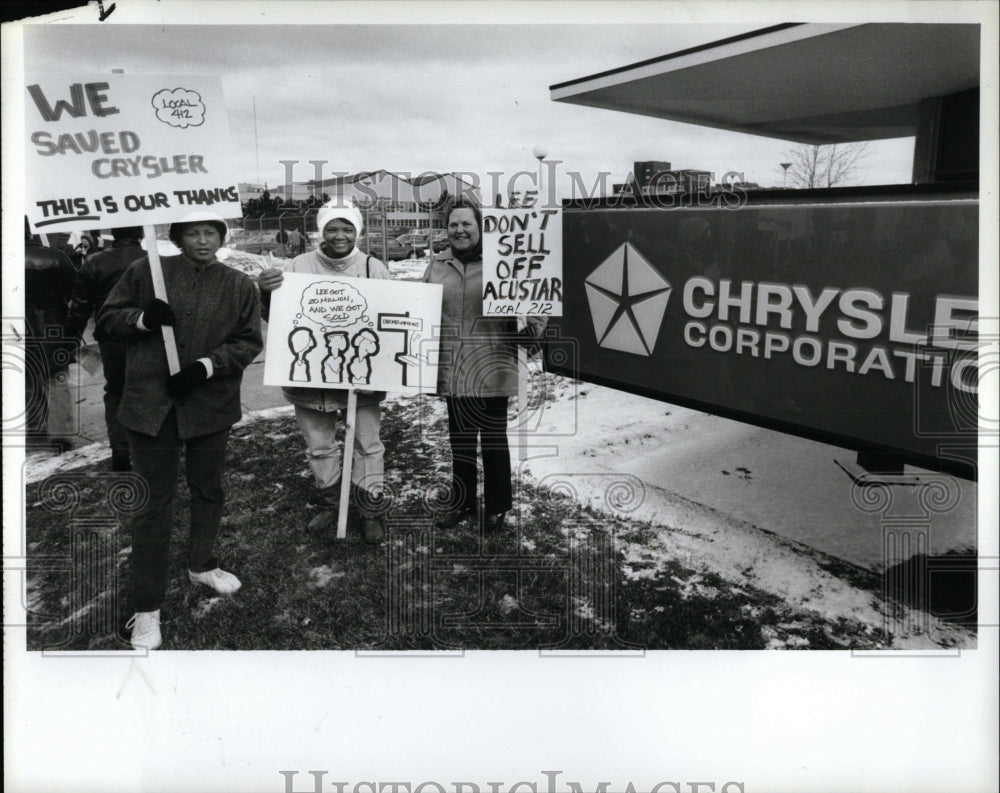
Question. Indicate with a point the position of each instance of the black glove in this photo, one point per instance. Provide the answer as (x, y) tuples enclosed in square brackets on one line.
[(184, 382), (525, 338), (157, 313)]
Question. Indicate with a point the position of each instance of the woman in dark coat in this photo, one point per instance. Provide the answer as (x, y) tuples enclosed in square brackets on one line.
[(215, 313)]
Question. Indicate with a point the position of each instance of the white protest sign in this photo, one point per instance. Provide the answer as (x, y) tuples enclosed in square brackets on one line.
[(328, 331), (126, 150), (522, 262)]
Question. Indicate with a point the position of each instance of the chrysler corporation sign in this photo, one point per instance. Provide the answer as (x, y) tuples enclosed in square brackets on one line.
[(854, 323)]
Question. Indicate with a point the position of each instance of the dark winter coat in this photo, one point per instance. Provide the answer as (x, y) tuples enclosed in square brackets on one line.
[(94, 282), (218, 316), (48, 285)]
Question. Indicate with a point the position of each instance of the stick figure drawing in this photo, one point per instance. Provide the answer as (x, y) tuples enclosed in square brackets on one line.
[(333, 362), (300, 341), (366, 345)]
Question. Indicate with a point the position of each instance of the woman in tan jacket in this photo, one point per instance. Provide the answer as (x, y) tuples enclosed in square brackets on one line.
[(477, 372)]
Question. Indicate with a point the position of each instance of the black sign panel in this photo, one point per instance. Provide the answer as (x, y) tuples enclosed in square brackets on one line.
[(855, 323)]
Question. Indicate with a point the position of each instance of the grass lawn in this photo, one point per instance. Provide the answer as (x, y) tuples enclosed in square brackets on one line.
[(560, 576)]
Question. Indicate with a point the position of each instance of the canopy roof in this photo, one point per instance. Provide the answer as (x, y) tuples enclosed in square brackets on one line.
[(811, 83)]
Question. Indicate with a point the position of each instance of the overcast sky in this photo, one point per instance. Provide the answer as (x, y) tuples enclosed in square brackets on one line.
[(429, 97)]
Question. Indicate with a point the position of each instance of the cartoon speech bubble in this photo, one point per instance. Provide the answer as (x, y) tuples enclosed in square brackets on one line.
[(332, 304), (179, 107)]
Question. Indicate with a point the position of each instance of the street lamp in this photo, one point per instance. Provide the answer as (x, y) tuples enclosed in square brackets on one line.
[(540, 153), (785, 166)]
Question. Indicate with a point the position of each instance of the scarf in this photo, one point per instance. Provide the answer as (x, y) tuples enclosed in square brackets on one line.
[(476, 252), (337, 264)]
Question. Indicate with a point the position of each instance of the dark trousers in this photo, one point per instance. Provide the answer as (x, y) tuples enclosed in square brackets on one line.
[(113, 363), (157, 461), (483, 420)]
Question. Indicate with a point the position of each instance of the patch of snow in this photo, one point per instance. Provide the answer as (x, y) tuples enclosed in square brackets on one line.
[(409, 269), (323, 575), (204, 607), (508, 604), (621, 425), (39, 466)]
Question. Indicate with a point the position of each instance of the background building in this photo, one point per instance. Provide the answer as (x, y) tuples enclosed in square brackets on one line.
[(656, 177)]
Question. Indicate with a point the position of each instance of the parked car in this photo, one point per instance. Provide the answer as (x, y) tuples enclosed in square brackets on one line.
[(439, 241), (394, 249)]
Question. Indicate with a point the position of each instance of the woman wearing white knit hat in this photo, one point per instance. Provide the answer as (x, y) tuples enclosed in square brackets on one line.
[(317, 409)]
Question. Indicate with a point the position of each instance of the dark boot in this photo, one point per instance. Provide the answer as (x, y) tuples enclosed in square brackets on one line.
[(372, 508), (494, 523), (451, 519), (323, 521), (373, 529), (326, 519)]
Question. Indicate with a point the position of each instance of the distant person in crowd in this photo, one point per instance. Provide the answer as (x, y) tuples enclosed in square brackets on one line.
[(94, 282), (282, 239), (317, 409), (296, 242), (215, 314), (48, 285), (79, 246), (477, 373)]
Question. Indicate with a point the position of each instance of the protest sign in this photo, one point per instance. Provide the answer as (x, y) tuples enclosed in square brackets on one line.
[(327, 331), (522, 262), (126, 150)]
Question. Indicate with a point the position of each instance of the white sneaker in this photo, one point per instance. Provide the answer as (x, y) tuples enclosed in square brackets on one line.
[(145, 627), (222, 582)]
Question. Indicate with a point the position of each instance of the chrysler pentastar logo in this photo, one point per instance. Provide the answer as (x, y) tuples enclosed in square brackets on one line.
[(627, 299)]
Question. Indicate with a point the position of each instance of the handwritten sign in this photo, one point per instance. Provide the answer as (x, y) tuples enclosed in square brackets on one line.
[(126, 150), (522, 262), (353, 333)]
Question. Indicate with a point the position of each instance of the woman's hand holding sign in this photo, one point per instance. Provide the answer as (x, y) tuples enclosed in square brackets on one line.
[(156, 314), (270, 279), (183, 383)]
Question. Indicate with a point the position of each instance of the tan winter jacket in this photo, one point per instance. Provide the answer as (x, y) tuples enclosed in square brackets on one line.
[(478, 354)]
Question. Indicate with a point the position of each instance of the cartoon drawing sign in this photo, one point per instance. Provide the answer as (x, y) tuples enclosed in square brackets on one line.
[(522, 262), (336, 332), (125, 150)]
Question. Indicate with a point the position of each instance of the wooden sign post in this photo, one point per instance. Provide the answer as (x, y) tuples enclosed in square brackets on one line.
[(350, 427), (160, 290)]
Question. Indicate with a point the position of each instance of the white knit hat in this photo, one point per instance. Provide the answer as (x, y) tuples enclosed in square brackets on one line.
[(199, 216), (331, 211)]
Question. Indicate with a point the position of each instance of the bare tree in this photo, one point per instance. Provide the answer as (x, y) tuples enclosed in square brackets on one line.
[(832, 165)]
